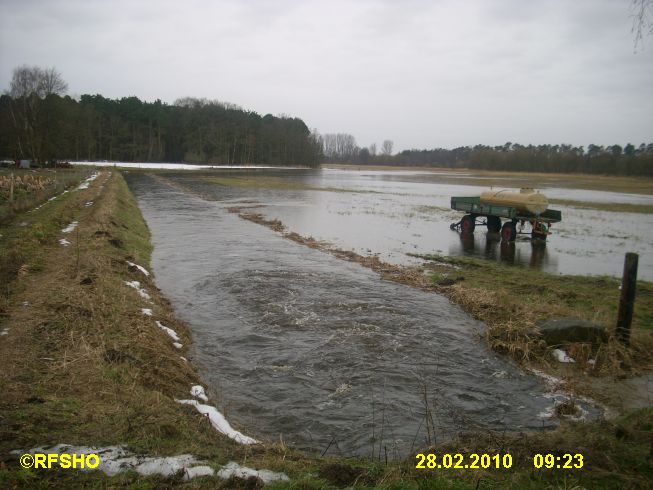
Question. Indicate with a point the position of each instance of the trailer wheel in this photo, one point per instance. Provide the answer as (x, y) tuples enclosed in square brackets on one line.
[(493, 224), (467, 224), (508, 232)]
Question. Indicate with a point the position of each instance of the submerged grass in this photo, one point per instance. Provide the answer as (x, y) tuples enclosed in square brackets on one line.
[(268, 182)]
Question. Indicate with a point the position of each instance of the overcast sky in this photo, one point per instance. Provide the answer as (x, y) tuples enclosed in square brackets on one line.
[(422, 73)]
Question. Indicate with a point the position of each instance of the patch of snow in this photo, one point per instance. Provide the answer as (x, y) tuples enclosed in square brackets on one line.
[(26, 303), (90, 203), (219, 422), (116, 459), (6, 332), (168, 330), (196, 471), (234, 469), (64, 242), (173, 166), (591, 362), (561, 356), (70, 227), (183, 358), (87, 182), (198, 392), (139, 267), (146, 311), (177, 345), (137, 286)]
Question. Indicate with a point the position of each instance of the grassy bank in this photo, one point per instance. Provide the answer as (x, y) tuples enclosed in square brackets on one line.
[(82, 365)]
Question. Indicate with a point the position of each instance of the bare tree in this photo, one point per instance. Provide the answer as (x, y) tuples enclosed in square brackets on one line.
[(29, 85), (642, 19), (373, 149), (52, 82), (386, 147), (34, 81)]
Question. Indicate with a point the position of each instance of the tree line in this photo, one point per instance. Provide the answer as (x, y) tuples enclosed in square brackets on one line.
[(596, 159), (39, 122)]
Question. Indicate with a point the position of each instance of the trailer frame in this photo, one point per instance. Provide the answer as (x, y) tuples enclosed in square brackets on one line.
[(493, 213)]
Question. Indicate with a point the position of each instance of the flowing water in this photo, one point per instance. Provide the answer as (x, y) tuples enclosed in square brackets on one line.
[(296, 343)]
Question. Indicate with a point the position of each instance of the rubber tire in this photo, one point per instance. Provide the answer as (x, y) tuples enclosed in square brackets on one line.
[(467, 224), (508, 232), (493, 224)]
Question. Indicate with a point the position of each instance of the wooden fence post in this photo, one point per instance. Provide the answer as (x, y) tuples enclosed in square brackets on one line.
[(627, 300)]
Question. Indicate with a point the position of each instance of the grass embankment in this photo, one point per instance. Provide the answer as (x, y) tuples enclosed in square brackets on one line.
[(82, 365)]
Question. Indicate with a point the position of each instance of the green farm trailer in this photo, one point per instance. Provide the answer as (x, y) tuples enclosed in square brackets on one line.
[(494, 214)]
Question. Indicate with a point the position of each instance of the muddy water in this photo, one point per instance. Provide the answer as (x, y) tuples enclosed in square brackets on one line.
[(297, 344)]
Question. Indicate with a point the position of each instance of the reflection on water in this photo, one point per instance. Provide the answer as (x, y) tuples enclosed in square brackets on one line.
[(493, 248), (292, 341)]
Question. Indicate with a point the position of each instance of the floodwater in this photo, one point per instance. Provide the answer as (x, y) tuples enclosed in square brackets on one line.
[(392, 213), (297, 344)]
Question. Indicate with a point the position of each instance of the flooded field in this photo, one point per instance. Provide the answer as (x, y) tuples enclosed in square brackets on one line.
[(400, 212), (296, 343)]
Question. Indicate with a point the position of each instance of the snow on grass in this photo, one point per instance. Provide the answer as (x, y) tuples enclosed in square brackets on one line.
[(168, 330), (116, 459), (146, 311), (177, 345), (219, 422), (5, 331), (198, 392), (64, 242), (137, 286), (139, 267), (561, 356), (172, 166), (49, 200), (87, 182), (183, 358), (90, 203), (70, 227), (234, 469)]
